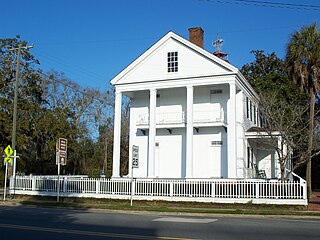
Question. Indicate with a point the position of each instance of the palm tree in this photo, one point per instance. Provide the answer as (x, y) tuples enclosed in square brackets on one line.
[(303, 59)]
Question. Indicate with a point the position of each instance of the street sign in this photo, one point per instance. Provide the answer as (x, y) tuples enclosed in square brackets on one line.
[(7, 160), (8, 151), (62, 149), (63, 157), (62, 144), (135, 156)]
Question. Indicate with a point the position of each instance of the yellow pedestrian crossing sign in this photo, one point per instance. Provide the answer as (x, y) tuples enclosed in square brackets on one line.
[(8, 160), (8, 151)]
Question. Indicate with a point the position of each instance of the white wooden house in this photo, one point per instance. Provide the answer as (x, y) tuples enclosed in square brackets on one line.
[(195, 120), (190, 114)]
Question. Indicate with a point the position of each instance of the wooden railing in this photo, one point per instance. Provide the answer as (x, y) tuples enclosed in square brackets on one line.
[(201, 190)]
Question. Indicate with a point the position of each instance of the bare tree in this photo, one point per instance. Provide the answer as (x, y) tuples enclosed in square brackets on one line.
[(285, 131)]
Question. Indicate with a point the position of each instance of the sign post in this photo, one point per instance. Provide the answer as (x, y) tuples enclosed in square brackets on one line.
[(61, 159), (58, 181), (134, 164), (8, 151), (5, 182), (14, 170)]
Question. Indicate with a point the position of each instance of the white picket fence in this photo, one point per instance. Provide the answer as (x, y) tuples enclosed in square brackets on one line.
[(195, 190)]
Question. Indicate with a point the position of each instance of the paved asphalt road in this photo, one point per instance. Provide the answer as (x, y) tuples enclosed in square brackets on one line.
[(49, 223)]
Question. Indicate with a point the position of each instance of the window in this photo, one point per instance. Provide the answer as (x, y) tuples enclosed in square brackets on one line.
[(254, 114), (247, 100), (251, 111), (248, 157), (172, 61)]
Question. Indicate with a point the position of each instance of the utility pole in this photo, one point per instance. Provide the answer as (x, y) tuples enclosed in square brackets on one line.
[(14, 128)]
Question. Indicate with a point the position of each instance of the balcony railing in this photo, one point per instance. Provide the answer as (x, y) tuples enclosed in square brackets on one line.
[(162, 118), (207, 116)]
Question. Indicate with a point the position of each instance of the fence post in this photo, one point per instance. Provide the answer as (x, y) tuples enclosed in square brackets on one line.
[(134, 187), (33, 183), (11, 183), (257, 190), (213, 189), (171, 189), (97, 186), (304, 189), (64, 185)]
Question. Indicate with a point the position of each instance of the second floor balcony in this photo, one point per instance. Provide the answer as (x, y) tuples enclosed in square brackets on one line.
[(179, 118), (166, 118)]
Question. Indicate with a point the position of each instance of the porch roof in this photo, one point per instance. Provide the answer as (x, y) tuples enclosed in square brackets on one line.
[(258, 132)]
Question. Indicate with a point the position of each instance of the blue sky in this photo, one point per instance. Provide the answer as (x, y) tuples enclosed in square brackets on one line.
[(92, 40)]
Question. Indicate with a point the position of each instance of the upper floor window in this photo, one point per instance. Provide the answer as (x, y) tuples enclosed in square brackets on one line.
[(251, 111), (248, 110), (254, 114), (172, 61)]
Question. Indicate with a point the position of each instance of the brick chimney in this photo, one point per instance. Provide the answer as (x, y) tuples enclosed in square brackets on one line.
[(196, 36)]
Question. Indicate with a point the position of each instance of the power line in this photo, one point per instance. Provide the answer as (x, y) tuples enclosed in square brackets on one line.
[(268, 4), (275, 28), (67, 85), (103, 41), (78, 69)]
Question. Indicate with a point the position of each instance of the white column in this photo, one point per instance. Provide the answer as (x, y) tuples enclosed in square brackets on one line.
[(152, 132), (232, 136), (189, 142), (117, 136)]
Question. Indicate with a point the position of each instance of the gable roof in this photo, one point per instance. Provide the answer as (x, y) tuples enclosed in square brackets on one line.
[(171, 35)]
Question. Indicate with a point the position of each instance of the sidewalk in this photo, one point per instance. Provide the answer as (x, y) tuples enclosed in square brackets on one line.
[(314, 203)]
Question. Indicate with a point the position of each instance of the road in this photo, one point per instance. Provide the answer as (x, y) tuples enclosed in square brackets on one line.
[(19, 222)]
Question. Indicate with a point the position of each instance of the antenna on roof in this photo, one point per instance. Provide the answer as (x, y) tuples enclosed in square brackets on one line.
[(218, 45)]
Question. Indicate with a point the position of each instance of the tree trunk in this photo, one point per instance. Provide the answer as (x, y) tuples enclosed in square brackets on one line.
[(310, 143), (105, 162), (283, 173)]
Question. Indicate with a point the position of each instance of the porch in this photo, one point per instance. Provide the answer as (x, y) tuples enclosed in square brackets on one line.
[(257, 191)]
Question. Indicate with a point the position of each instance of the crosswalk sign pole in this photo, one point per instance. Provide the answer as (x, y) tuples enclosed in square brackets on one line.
[(5, 183), (8, 159), (14, 171)]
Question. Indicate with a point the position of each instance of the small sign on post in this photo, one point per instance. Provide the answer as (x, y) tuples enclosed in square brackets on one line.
[(135, 156), (63, 151), (61, 159), (8, 151), (135, 164)]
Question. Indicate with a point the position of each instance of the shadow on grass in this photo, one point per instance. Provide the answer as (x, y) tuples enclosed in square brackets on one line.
[(166, 207)]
